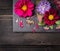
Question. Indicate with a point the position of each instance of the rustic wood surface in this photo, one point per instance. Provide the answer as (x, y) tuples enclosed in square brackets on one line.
[(8, 37), (30, 48)]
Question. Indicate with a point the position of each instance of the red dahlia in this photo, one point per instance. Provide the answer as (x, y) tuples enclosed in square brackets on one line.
[(50, 17)]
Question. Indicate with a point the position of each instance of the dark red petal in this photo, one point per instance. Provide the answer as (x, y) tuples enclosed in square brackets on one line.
[(47, 21), (56, 18), (46, 13), (52, 11), (55, 14), (52, 22)]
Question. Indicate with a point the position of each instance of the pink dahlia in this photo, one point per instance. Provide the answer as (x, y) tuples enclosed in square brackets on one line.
[(24, 8)]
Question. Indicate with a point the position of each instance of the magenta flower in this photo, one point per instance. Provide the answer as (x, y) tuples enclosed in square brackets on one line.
[(24, 8), (43, 6)]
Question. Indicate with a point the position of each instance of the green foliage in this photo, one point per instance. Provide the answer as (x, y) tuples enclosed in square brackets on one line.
[(41, 24), (51, 27), (58, 22)]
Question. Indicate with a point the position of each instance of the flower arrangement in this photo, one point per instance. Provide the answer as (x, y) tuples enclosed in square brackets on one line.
[(24, 8), (46, 15), (50, 18), (41, 8)]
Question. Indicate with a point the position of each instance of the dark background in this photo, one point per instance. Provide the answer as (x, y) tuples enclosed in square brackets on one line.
[(7, 37)]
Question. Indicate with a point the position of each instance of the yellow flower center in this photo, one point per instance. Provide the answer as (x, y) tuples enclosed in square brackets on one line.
[(24, 7), (51, 17)]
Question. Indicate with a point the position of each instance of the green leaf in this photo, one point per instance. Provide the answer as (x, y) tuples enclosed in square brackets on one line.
[(51, 27), (41, 24), (58, 22)]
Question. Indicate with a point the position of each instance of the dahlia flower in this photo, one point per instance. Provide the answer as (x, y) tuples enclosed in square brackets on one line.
[(50, 17), (24, 8)]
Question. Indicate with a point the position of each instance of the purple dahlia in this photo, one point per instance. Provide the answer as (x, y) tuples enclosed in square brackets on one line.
[(43, 6)]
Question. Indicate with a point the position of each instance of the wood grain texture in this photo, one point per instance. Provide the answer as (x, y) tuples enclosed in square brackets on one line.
[(31, 48), (27, 49), (5, 4), (6, 7), (8, 37)]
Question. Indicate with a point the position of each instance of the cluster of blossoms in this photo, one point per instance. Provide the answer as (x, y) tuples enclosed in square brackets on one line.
[(50, 14), (43, 6), (24, 8)]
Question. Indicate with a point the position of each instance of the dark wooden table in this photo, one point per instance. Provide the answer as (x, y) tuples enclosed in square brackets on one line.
[(8, 37)]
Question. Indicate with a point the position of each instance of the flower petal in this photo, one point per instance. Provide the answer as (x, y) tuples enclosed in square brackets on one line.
[(25, 15), (56, 17), (52, 11), (30, 5), (28, 0), (31, 8), (46, 14), (29, 12), (18, 4), (19, 12), (52, 22)]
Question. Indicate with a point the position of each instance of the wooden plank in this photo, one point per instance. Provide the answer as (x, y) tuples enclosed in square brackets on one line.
[(26, 49), (6, 12), (5, 7), (30, 48), (5, 4)]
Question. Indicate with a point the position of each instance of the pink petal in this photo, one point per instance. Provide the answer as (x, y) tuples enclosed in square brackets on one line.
[(25, 15), (32, 8), (18, 4), (37, 26), (29, 12), (19, 12), (21, 24), (33, 30), (30, 5)]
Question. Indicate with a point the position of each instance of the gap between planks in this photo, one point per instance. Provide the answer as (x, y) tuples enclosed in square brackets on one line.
[(5, 19), (6, 15)]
